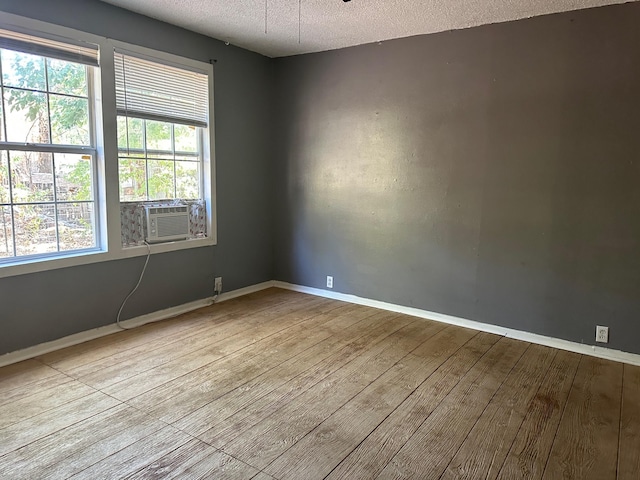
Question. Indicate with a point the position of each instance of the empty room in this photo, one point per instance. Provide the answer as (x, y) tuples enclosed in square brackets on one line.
[(320, 239)]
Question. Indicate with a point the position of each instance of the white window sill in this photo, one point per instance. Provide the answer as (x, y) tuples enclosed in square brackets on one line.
[(86, 258)]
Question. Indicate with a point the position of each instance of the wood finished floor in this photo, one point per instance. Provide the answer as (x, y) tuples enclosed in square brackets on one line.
[(284, 385)]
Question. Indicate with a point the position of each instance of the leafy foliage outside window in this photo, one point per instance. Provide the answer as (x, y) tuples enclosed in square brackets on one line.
[(158, 160)]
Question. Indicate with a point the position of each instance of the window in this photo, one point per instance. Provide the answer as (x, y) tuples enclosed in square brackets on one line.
[(162, 115), (73, 189), (47, 151)]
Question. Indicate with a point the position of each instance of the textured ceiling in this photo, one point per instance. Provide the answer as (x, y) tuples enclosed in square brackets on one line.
[(331, 24)]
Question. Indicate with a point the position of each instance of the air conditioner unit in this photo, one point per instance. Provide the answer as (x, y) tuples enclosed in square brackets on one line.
[(167, 223)]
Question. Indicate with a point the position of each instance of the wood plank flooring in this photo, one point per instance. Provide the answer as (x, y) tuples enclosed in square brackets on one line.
[(282, 385)]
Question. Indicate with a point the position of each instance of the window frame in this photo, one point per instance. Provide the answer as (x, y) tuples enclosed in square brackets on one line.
[(106, 155), (53, 148)]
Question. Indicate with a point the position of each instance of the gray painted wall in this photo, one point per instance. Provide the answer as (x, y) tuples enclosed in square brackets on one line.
[(490, 173), (45, 306)]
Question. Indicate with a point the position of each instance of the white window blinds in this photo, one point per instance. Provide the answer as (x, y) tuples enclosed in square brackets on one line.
[(156, 91), (62, 49)]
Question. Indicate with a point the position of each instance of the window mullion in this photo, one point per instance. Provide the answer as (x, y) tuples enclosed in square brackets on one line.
[(201, 168), (55, 198), (146, 157), (53, 157), (4, 110), (46, 86), (4, 228), (175, 178), (13, 221), (36, 90), (43, 147), (13, 232), (9, 178), (173, 150)]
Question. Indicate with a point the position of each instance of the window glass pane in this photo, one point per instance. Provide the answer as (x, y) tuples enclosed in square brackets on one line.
[(6, 233), (35, 229), (23, 70), (5, 196), (161, 180), (73, 177), (69, 120), (75, 225), (187, 180), (186, 138), (133, 180), (158, 136), (135, 128), (170, 173), (31, 177), (66, 77), (26, 116)]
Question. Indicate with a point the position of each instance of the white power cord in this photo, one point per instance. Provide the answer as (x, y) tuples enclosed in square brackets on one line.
[(146, 262)]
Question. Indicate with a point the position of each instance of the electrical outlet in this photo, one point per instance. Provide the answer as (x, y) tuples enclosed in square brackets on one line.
[(329, 282), (602, 334), (217, 286)]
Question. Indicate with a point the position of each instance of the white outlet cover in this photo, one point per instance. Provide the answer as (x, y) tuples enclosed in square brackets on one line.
[(602, 334), (329, 282)]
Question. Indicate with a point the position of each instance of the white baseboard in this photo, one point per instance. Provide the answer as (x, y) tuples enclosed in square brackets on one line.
[(244, 291), (592, 350), (47, 347)]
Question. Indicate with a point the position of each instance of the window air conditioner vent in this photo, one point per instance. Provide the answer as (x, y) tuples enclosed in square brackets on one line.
[(167, 223)]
